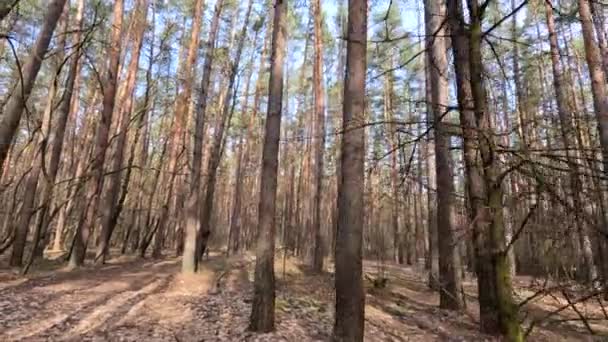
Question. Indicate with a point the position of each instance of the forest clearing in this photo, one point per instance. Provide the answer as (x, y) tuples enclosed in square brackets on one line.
[(303, 170)]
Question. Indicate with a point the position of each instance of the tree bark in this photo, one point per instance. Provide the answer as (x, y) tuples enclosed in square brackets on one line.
[(389, 115), (217, 146), (28, 207), (432, 260), (319, 139), (110, 203), (597, 76), (449, 261), (350, 298), (262, 308), (498, 312), (95, 185), (192, 214)]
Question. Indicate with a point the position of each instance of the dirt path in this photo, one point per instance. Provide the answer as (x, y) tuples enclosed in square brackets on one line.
[(133, 301), (144, 300), (74, 305)]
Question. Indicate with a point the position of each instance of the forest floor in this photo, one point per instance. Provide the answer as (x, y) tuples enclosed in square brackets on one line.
[(149, 300)]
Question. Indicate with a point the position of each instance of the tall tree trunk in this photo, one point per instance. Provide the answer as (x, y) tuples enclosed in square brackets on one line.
[(498, 313), (498, 310), (95, 185), (449, 261), (302, 145), (319, 139), (69, 104), (598, 85), (432, 260), (389, 114), (141, 133), (262, 308), (217, 144), (599, 21), (234, 235), (16, 105), (567, 131), (28, 206), (110, 203), (176, 146), (350, 297), (337, 124), (192, 215)]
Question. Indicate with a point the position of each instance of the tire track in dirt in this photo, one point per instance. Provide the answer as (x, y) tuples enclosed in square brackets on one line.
[(78, 303)]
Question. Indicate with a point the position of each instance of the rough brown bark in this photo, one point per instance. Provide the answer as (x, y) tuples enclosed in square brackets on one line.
[(428, 148), (350, 299), (498, 313), (193, 216), (234, 236), (599, 21), (596, 73), (449, 261), (498, 310), (319, 139), (262, 308)]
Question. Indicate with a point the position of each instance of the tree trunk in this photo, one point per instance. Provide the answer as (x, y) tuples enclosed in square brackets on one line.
[(28, 207), (599, 21), (110, 203), (95, 185), (350, 297), (598, 85), (498, 312), (235, 220), (186, 77), (319, 139), (217, 145), (16, 105), (391, 137), (432, 260), (67, 106), (192, 214), (262, 308), (567, 131), (449, 261)]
